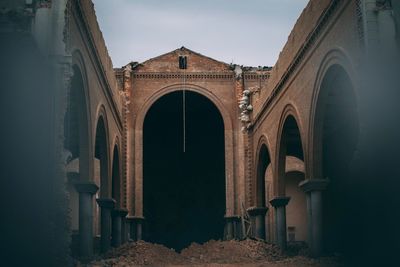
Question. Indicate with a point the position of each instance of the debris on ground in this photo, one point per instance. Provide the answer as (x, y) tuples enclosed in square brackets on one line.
[(231, 252), (212, 253), (138, 253)]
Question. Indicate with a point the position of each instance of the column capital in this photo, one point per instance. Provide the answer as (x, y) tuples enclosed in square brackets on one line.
[(232, 217), (135, 218), (279, 201), (106, 202), (310, 185), (254, 211), (120, 212), (86, 187)]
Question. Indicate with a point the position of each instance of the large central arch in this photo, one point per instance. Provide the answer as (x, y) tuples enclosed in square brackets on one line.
[(183, 178), (138, 144)]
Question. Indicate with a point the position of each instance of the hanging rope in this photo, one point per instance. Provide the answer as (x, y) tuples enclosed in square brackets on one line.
[(184, 110), (183, 66)]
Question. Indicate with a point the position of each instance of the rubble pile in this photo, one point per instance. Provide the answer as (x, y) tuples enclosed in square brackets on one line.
[(231, 252), (138, 253), (224, 253)]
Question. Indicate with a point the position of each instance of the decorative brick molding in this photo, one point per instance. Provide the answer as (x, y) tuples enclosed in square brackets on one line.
[(187, 76), (256, 76)]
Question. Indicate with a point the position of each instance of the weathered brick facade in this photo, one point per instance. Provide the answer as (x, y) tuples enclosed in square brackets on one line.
[(293, 132), (216, 80)]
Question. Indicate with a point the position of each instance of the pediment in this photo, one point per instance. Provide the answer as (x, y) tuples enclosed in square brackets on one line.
[(169, 62)]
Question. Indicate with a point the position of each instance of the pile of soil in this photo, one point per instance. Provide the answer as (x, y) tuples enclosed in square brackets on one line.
[(231, 252), (224, 253), (138, 253)]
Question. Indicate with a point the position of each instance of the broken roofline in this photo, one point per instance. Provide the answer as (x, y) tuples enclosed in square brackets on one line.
[(135, 64)]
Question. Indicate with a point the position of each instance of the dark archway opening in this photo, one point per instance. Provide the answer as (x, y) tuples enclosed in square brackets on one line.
[(184, 192), (101, 153), (339, 136), (116, 179), (263, 162), (76, 147), (291, 150), (262, 187), (100, 221), (291, 144)]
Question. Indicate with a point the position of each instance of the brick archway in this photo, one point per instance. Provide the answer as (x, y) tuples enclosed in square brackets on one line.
[(228, 135), (262, 162), (79, 69), (335, 131), (289, 113), (335, 58), (101, 148)]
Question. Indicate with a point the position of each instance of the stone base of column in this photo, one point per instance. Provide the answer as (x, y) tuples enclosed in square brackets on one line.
[(257, 217), (135, 227), (124, 226), (313, 188), (106, 207), (279, 203), (232, 227), (116, 228)]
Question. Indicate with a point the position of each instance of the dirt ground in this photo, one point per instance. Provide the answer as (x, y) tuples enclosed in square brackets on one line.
[(248, 253)]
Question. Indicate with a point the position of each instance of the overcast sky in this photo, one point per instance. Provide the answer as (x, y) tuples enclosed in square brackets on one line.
[(245, 32)]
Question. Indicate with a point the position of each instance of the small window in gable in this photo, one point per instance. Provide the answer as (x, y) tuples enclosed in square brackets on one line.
[(182, 62)]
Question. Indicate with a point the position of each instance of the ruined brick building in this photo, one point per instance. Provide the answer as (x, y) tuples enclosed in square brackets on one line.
[(184, 148)]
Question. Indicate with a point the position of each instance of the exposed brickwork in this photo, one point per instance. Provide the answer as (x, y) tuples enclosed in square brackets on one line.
[(168, 63), (329, 33), (217, 81), (101, 51)]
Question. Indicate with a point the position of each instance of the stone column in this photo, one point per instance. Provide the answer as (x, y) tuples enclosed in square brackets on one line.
[(116, 228), (257, 215), (136, 225), (279, 203), (118, 225), (106, 206), (124, 230), (232, 227), (313, 188), (229, 228), (86, 191), (237, 226)]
